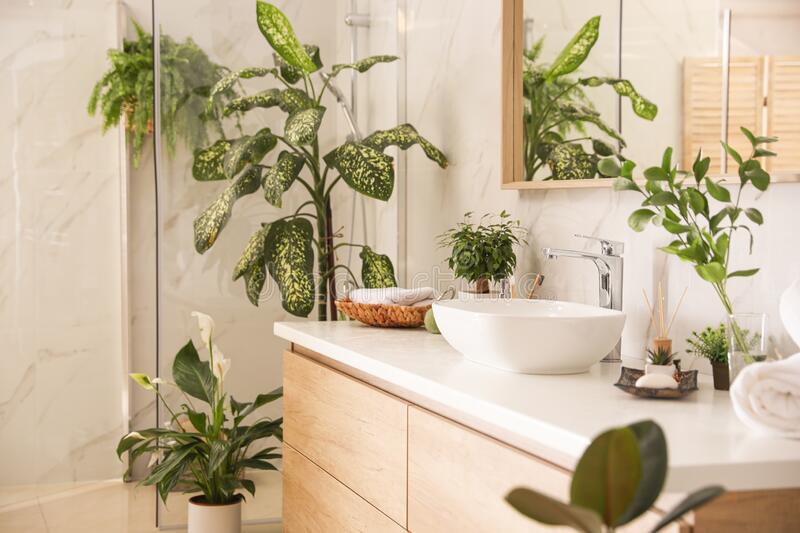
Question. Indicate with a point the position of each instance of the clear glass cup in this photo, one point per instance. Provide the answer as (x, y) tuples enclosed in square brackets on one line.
[(747, 341)]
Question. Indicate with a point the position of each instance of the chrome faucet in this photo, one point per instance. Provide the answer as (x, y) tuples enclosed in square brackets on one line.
[(609, 267)]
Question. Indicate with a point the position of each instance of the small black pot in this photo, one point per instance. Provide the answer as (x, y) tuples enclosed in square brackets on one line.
[(722, 377)]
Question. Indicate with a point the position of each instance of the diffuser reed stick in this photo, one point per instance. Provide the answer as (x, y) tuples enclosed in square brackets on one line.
[(658, 317)]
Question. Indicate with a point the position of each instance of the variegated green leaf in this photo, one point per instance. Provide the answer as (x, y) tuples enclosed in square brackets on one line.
[(364, 168), (290, 260), (301, 126), (268, 98), (293, 74), (641, 105), (405, 136), (586, 114), (253, 266), (574, 54), (569, 161), (211, 221), (278, 178), (279, 33), (249, 149), (376, 269), (208, 164), (294, 100), (363, 65), (227, 81)]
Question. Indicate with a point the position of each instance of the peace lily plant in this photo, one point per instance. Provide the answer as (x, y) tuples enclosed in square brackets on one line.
[(206, 448), (288, 247)]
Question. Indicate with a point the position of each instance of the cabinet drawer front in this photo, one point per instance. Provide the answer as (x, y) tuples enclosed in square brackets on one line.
[(314, 501), (353, 431)]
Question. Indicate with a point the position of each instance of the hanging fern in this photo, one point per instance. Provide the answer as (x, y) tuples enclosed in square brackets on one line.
[(126, 92)]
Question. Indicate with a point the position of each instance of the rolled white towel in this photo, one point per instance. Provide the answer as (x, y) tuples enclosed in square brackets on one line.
[(766, 397), (393, 296)]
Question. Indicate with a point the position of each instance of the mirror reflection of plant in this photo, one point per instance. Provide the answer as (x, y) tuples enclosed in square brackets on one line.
[(287, 247), (680, 203), (204, 449), (483, 252), (711, 343), (617, 479), (126, 91), (557, 111)]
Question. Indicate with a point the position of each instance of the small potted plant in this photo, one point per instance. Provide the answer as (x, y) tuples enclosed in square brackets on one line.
[(712, 343), (205, 449), (660, 360), (484, 252)]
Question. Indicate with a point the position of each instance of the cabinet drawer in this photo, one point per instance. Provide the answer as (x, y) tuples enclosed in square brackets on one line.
[(356, 433), (314, 501)]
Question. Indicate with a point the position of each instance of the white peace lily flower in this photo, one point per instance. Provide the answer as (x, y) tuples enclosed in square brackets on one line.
[(135, 434), (154, 458), (157, 381), (206, 325), (221, 365)]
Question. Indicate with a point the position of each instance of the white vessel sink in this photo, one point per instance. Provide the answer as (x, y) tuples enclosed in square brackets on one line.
[(530, 336)]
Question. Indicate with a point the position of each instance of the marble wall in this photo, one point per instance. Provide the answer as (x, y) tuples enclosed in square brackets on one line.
[(453, 60), (61, 368)]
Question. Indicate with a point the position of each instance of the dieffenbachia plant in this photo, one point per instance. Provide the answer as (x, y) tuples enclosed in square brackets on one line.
[(287, 248), (617, 479), (681, 203), (556, 107)]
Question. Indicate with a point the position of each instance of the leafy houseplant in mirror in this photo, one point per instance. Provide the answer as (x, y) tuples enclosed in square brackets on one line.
[(617, 479), (484, 252), (682, 203), (712, 344), (557, 111), (206, 448), (288, 247)]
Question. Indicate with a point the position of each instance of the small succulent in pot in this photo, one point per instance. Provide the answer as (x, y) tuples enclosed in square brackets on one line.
[(483, 252), (712, 343), (660, 360)]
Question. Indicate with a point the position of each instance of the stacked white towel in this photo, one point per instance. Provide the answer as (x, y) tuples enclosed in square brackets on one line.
[(766, 397), (393, 296)]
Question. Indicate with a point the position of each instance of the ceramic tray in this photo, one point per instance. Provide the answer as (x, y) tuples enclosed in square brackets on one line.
[(628, 377)]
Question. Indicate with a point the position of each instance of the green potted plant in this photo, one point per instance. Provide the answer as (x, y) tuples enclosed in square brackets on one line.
[(557, 111), (126, 91), (288, 247), (660, 360), (484, 252), (617, 479), (205, 449), (712, 343)]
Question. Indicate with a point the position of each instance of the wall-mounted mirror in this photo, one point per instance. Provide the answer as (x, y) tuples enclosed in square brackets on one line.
[(627, 78)]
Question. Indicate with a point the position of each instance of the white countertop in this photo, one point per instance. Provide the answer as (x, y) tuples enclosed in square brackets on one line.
[(555, 417)]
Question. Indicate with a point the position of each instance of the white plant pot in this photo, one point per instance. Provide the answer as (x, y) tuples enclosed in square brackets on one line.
[(659, 369), (207, 518)]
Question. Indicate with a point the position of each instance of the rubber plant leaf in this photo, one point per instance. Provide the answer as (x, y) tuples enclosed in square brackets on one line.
[(608, 475), (570, 162), (208, 164), (227, 81), (364, 168), (692, 501), (575, 52), (653, 453), (293, 74), (208, 225), (268, 98), (376, 269), (279, 33), (253, 266), (278, 178), (302, 126), (193, 376), (290, 260), (248, 149), (405, 136), (641, 105), (552, 512), (362, 65)]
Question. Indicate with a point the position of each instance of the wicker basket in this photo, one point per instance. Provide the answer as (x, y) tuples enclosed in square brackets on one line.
[(384, 316)]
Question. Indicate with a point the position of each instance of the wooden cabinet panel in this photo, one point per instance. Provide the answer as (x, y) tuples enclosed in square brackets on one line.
[(314, 501), (353, 431)]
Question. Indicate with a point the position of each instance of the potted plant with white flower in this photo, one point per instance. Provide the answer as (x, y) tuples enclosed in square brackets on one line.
[(205, 449)]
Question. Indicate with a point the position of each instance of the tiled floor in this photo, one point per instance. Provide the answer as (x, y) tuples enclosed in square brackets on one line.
[(116, 507)]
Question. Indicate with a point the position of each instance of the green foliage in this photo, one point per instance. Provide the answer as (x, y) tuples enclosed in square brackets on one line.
[(557, 111), (617, 479), (483, 251), (660, 356), (711, 343), (207, 449), (287, 247), (126, 91)]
